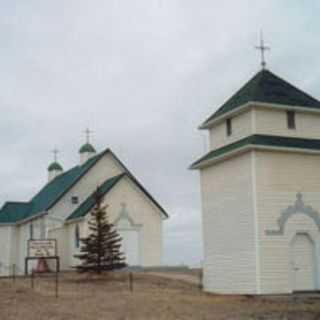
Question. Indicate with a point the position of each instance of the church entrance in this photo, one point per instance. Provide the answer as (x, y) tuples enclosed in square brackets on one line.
[(302, 263), (130, 246)]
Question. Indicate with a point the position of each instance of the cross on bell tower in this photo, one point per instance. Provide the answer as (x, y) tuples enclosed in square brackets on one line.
[(262, 48)]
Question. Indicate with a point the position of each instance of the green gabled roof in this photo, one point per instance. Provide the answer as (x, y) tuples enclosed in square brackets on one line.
[(55, 166), (259, 140), (51, 192), (56, 188), (14, 211), (88, 204), (87, 148), (266, 87)]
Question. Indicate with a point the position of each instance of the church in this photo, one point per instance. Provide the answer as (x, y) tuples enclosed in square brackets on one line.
[(61, 209), (260, 190)]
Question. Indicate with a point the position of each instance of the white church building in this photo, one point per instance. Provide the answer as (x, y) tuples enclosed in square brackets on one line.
[(60, 210), (260, 190)]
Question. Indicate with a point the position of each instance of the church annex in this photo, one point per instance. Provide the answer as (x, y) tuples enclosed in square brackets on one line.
[(60, 210), (260, 190)]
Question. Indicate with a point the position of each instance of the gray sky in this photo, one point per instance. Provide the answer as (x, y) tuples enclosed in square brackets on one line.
[(143, 74)]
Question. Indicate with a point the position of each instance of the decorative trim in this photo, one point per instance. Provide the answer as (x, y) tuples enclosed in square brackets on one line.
[(124, 215), (298, 207)]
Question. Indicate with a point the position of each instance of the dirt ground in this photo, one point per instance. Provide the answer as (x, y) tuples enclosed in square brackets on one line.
[(108, 297)]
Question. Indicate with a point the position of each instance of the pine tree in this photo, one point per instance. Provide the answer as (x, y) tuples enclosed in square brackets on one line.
[(100, 251)]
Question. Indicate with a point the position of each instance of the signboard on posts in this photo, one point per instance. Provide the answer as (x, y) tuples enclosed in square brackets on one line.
[(42, 248)]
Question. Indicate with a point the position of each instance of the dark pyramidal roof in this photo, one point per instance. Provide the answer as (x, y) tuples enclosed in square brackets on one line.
[(266, 87)]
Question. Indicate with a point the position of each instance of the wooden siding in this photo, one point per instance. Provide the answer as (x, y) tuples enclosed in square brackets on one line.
[(229, 226), (280, 176), (274, 122), (5, 240), (144, 213), (105, 168), (241, 127)]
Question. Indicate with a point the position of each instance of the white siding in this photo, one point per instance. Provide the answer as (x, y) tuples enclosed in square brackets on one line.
[(104, 169), (5, 242), (274, 122), (280, 176), (241, 127), (143, 212), (229, 226), (70, 237)]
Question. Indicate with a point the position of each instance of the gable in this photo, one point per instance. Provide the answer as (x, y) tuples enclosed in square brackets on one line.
[(87, 205), (266, 87), (50, 194)]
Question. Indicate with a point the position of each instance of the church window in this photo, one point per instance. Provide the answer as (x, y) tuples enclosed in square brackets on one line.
[(74, 200), (77, 236), (31, 235), (291, 119), (229, 127)]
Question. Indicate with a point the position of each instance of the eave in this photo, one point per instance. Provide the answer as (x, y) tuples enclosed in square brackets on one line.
[(275, 106), (259, 142)]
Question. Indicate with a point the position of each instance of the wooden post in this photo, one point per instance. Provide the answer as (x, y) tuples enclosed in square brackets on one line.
[(32, 279), (13, 273), (57, 283), (201, 280), (131, 281)]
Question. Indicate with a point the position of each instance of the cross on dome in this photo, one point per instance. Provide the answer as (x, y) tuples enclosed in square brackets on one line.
[(87, 133), (55, 152)]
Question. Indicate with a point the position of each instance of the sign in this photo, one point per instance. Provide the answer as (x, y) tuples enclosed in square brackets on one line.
[(42, 248)]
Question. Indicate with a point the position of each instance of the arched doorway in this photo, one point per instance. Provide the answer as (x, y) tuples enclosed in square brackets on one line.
[(131, 237), (302, 262)]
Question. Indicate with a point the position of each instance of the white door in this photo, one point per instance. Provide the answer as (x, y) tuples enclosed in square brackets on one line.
[(302, 262), (130, 246)]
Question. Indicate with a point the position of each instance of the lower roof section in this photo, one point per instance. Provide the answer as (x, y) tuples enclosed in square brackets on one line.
[(255, 141)]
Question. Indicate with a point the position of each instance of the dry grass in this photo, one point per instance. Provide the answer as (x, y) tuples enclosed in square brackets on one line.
[(108, 297)]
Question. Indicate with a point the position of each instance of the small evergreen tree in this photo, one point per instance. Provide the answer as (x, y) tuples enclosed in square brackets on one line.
[(100, 251)]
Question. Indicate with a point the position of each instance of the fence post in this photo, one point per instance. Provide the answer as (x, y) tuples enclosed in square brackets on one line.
[(14, 273), (32, 279), (201, 279), (131, 281), (57, 283)]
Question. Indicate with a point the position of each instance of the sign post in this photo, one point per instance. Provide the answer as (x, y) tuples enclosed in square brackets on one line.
[(46, 250)]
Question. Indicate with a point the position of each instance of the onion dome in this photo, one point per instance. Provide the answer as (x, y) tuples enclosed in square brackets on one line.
[(87, 148), (55, 166)]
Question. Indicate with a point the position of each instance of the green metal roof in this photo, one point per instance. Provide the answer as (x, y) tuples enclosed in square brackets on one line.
[(88, 204), (266, 87), (14, 211), (87, 148), (260, 140), (49, 194), (55, 166)]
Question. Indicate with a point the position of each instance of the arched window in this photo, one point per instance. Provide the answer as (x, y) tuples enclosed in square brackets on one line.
[(77, 236), (31, 231)]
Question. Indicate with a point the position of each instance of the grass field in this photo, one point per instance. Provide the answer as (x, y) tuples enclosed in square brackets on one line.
[(153, 297)]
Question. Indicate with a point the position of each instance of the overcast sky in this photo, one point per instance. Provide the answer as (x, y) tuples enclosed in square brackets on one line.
[(143, 74)]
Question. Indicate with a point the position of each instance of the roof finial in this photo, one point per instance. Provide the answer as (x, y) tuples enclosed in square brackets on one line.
[(262, 48), (55, 152), (88, 132)]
